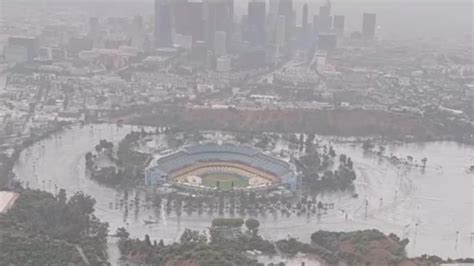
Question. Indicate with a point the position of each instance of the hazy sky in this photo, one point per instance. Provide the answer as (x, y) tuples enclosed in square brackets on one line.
[(414, 18)]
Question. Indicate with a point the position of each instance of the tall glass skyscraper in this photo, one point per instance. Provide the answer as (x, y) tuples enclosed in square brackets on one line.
[(219, 17), (163, 25), (286, 9), (256, 22), (368, 25)]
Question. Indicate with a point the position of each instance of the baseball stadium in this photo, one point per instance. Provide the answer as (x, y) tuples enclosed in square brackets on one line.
[(222, 167)]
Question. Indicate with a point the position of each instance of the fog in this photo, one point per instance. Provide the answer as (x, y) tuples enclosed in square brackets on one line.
[(235, 132)]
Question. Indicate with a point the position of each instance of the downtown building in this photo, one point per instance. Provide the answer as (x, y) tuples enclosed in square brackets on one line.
[(163, 34), (369, 21), (256, 20), (218, 16), (285, 9), (339, 24)]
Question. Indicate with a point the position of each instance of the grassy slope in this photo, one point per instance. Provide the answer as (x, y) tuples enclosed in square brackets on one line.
[(336, 122)]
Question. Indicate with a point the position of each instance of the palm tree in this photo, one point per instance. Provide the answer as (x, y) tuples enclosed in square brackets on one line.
[(424, 160)]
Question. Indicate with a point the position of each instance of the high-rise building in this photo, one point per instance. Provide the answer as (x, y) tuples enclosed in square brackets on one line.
[(223, 64), (220, 43), (137, 34), (304, 22), (138, 23), (21, 49), (368, 25), (338, 25), (94, 27), (273, 6), (188, 17), (219, 17), (327, 41), (199, 52), (196, 21), (94, 31), (315, 23), (230, 6), (78, 44), (163, 25), (325, 20), (280, 31), (285, 9), (272, 20), (180, 16), (256, 23)]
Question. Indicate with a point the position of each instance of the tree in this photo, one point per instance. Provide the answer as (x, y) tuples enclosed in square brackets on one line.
[(381, 149), (424, 160), (192, 237), (293, 139), (252, 197), (349, 163), (84, 204), (310, 139), (367, 145), (228, 222), (122, 233), (252, 225), (157, 201), (44, 229), (62, 197), (301, 142), (147, 240), (343, 158)]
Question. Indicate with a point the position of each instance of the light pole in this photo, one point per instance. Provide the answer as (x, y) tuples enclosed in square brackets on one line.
[(366, 206), (416, 233), (457, 239)]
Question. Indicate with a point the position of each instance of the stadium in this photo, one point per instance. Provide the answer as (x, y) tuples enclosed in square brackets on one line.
[(222, 167)]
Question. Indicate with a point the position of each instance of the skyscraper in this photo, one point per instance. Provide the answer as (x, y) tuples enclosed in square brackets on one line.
[(220, 43), (273, 6), (163, 30), (325, 20), (327, 41), (256, 23), (286, 9), (189, 19), (368, 25), (180, 16), (304, 22), (94, 27), (137, 33), (230, 9), (280, 31), (138, 23), (338, 26), (315, 23), (219, 17), (272, 20), (21, 49)]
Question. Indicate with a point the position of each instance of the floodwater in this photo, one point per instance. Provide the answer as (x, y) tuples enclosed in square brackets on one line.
[(432, 207)]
